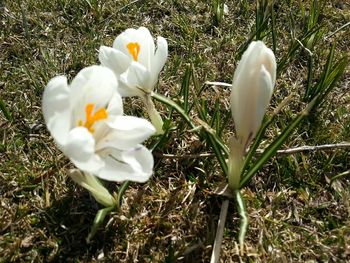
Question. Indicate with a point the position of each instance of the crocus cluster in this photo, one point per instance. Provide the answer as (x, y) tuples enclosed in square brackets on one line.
[(87, 121), (86, 117), (252, 88)]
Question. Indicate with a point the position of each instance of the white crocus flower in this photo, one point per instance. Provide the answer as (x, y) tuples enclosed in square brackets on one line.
[(135, 60), (94, 186), (86, 120), (137, 64), (252, 88)]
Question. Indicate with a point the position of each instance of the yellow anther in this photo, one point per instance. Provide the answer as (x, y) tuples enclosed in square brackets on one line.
[(134, 49), (100, 114)]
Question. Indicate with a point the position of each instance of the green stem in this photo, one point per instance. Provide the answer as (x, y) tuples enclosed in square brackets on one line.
[(153, 114), (243, 219), (121, 192), (102, 213), (175, 106), (235, 163), (99, 218)]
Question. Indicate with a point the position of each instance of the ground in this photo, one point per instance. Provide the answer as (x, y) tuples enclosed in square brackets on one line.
[(296, 212)]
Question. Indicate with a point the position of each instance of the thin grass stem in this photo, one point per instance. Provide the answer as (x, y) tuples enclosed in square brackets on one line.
[(215, 256)]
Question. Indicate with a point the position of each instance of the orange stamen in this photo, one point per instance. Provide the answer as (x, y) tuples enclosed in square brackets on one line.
[(100, 114), (134, 49)]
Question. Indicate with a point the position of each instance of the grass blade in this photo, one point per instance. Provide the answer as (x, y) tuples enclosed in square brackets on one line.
[(211, 137), (276, 144), (175, 106), (4, 110), (261, 132), (185, 86)]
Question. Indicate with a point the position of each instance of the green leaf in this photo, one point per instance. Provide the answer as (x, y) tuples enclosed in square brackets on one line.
[(99, 218), (262, 15), (276, 144), (273, 29), (185, 86), (333, 77), (328, 78), (211, 137), (175, 106), (218, 10), (261, 132)]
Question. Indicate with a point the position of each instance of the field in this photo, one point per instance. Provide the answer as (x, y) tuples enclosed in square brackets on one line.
[(298, 203)]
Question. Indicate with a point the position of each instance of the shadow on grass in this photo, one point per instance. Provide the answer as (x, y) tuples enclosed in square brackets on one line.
[(135, 237), (68, 221)]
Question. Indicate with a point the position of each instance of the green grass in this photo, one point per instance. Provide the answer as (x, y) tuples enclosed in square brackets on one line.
[(295, 214)]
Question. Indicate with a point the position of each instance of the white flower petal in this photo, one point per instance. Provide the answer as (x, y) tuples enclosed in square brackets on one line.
[(249, 115), (161, 55), (146, 47), (55, 106), (126, 132), (59, 126), (265, 92), (143, 38), (134, 165), (80, 149), (245, 62), (269, 62), (159, 59), (122, 40), (95, 85), (115, 106), (137, 46), (94, 186), (252, 89), (243, 104), (137, 79), (114, 59), (55, 97), (126, 90)]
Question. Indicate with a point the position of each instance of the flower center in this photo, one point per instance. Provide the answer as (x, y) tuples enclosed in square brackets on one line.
[(100, 114), (134, 49)]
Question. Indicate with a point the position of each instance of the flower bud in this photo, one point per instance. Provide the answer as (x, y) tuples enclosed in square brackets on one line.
[(252, 88)]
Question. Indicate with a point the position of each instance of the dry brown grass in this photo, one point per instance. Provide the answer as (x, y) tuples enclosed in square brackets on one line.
[(295, 214)]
